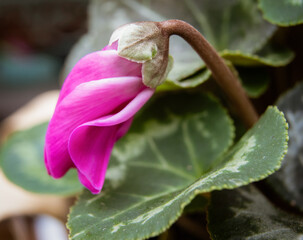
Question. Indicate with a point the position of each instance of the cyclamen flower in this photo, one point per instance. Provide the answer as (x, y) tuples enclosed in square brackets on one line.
[(95, 108), (99, 99)]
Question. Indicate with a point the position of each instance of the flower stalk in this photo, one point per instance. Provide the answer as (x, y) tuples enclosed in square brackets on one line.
[(220, 71)]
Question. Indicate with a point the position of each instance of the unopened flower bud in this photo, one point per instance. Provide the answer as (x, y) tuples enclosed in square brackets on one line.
[(144, 43)]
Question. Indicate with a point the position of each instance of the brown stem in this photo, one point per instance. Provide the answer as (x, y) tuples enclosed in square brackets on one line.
[(220, 71)]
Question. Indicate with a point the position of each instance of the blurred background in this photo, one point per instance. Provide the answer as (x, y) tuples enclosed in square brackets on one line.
[(35, 39)]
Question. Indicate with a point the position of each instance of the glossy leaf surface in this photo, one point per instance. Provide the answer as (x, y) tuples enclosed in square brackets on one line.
[(172, 153)]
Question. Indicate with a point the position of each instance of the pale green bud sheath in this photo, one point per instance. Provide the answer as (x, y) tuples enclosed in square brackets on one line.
[(148, 43), (144, 43)]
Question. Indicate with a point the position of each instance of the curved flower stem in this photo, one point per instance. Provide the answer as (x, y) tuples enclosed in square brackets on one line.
[(220, 71)]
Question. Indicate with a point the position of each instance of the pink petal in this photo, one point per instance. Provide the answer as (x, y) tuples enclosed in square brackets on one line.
[(113, 46), (93, 153), (99, 65), (91, 143), (87, 102)]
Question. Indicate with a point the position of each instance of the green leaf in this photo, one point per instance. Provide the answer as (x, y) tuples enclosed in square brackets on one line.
[(229, 25), (287, 182), (236, 28), (244, 214), (172, 153), (234, 25), (254, 80), (185, 70), (190, 82), (22, 162), (268, 56), (282, 12)]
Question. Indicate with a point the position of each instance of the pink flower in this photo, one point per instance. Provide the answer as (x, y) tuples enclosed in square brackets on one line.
[(95, 108)]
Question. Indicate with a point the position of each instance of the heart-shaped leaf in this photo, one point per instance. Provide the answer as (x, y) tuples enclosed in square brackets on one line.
[(235, 28), (172, 153), (229, 25), (22, 162), (282, 12), (287, 183), (244, 213)]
